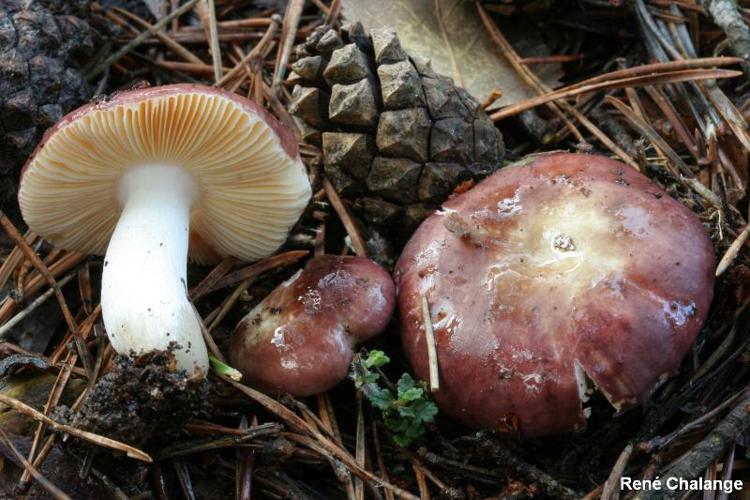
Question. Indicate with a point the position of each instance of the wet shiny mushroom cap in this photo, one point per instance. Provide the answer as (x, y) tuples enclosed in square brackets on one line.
[(560, 274), (300, 339)]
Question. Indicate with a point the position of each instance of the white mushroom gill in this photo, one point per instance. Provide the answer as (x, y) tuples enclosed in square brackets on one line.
[(144, 289)]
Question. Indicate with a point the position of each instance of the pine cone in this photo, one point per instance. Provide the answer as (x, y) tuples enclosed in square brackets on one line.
[(396, 137), (44, 44)]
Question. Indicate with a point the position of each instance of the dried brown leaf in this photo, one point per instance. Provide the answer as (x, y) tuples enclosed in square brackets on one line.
[(449, 33)]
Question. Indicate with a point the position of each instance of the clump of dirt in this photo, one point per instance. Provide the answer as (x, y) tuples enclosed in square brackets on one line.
[(142, 401)]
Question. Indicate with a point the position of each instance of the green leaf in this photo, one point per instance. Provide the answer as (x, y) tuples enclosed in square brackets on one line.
[(405, 412), (376, 358), (425, 411), (412, 394), (405, 383), (382, 399), (224, 369)]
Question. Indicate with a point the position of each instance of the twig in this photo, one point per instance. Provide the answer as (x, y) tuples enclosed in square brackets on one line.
[(218, 272), (245, 466), (541, 88), (226, 306), (32, 256), (288, 32), (346, 219), (328, 423), (660, 442), (170, 42), (12, 261), (333, 12), (254, 270), (85, 435), (214, 42), (611, 490), (379, 456), (196, 446), (210, 342), (255, 52), (732, 251), (183, 477), (692, 464), (53, 490), (35, 283), (55, 394), (31, 307), (726, 15), (318, 441), (359, 452), (135, 42), (687, 75), (685, 175)]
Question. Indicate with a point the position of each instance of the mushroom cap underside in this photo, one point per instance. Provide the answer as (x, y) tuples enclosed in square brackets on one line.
[(251, 182)]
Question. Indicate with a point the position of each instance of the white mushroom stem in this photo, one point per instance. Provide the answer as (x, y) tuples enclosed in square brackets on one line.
[(144, 288)]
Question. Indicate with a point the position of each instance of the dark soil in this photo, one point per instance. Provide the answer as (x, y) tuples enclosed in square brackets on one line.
[(142, 401)]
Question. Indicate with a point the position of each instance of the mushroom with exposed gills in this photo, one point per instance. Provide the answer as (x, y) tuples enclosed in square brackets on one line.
[(553, 277), (150, 176)]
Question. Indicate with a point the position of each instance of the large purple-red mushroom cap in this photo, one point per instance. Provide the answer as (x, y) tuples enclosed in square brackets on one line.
[(551, 277), (300, 339)]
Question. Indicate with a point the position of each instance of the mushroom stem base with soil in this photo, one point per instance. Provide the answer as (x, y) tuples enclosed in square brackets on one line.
[(144, 289)]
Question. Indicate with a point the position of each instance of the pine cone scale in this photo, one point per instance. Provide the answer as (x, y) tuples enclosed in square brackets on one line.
[(396, 137)]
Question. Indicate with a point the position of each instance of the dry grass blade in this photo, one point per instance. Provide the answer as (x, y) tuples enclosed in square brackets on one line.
[(214, 41), (135, 42), (267, 37), (288, 32), (12, 261), (318, 441), (360, 451), (687, 75), (358, 243), (54, 397), (611, 490), (337, 453), (85, 435), (53, 490), (431, 347), (218, 272), (32, 256), (683, 172), (732, 251), (20, 316), (254, 270), (35, 283), (168, 41), (541, 88)]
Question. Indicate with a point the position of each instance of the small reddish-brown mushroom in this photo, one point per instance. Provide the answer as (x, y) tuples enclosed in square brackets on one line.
[(300, 339), (563, 272)]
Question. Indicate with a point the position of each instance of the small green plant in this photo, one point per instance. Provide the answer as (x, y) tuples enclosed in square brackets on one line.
[(406, 408), (224, 369)]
